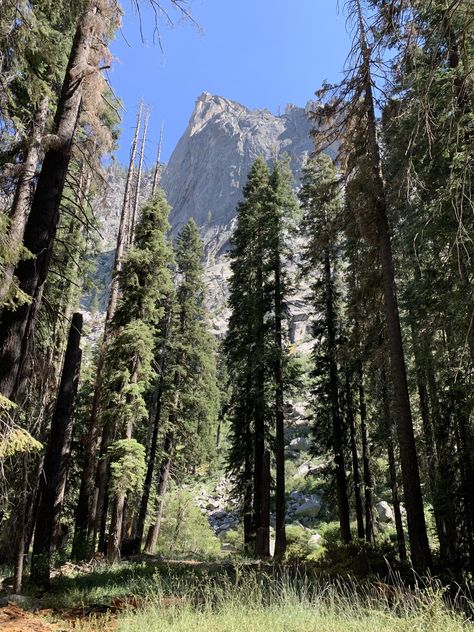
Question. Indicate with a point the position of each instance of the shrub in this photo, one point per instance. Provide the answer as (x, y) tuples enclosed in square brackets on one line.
[(185, 530)]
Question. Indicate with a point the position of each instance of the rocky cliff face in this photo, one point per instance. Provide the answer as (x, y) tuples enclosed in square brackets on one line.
[(208, 168), (204, 179)]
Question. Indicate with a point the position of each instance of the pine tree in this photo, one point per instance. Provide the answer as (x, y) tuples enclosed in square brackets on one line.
[(320, 197), (145, 283), (244, 347), (190, 390), (17, 325), (256, 351), (351, 106), (282, 208)]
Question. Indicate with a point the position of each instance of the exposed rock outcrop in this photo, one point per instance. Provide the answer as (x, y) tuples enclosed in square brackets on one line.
[(210, 164)]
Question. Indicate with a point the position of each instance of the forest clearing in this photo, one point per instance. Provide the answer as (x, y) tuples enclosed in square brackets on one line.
[(236, 361)]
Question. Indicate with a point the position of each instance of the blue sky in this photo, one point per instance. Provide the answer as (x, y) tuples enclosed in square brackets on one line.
[(261, 53)]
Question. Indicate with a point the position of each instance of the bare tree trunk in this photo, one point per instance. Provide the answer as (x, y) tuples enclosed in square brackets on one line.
[(421, 556), (355, 460), (20, 530), (163, 478), (138, 184), (114, 543), (122, 238), (156, 417), (280, 501), (86, 512), (247, 506), (17, 325), (259, 415), (402, 549), (262, 537), (157, 172), (389, 429), (337, 427), (21, 201), (368, 483), (57, 457)]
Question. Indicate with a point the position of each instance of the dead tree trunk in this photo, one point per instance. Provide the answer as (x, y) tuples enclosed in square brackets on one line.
[(138, 184), (57, 457), (157, 172), (17, 325), (87, 504)]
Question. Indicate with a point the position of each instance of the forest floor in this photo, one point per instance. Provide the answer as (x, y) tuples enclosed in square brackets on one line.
[(190, 596)]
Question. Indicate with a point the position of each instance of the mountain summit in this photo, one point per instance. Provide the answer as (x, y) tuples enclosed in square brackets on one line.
[(209, 166)]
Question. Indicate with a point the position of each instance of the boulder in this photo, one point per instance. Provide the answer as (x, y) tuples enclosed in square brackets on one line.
[(315, 540), (303, 469), (299, 444), (228, 548), (310, 508), (309, 469), (384, 511)]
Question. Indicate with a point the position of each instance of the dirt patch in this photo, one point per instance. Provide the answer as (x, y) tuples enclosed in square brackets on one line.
[(14, 619)]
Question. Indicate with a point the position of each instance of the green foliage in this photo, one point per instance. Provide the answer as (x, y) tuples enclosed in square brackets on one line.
[(145, 281), (259, 262), (14, 439), (185, 530), (191, 394), (127, 466)]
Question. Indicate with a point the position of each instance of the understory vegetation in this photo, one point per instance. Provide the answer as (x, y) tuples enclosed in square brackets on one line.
[(236, 597)]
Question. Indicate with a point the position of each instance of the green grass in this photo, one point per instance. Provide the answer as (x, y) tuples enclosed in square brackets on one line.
[(284, 605), (213, 598)]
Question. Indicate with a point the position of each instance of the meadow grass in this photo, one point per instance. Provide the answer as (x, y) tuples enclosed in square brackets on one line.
[(258, 602)]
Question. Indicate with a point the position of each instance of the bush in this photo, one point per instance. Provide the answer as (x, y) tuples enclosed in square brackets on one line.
[(185, 530)]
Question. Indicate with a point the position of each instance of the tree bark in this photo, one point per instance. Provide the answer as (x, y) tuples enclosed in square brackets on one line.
[(355, 460), (152, 454), (17, 325), (20, 527), (57, 456), (155, 414), (21, 201), (420, 551), (392, 467), (446, 535), (138, 184), (90, 496), (280, 500), (262, 537), (259, 411), (163, 479), (368, 482), (337, 428), (402, 549)]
